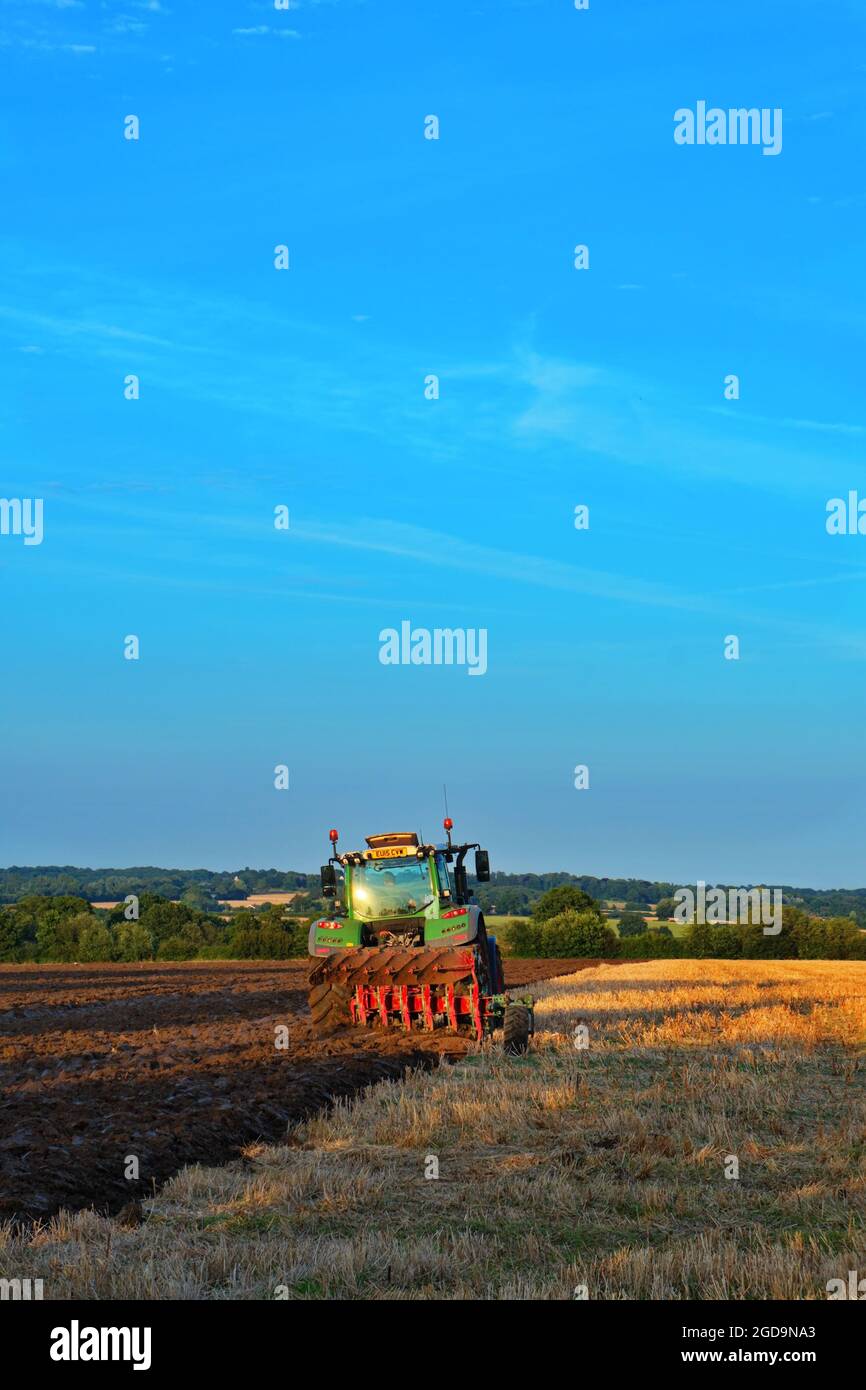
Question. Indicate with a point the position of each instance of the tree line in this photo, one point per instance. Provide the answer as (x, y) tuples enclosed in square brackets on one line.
[(506, 894), (65, 928), (517, 894), (107, 885), (567, 921)]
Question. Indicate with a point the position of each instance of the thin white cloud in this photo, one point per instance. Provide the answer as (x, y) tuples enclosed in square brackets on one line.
[(125, 25), (264, 30), (449, 552), (433, 548), (82, 327), (792, 422), (524, 400), (43, 45)]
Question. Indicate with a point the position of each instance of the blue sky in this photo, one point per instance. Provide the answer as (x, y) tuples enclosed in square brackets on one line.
[(557, 387)]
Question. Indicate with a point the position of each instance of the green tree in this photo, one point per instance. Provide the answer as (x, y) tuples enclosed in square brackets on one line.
[(95, 941), (727, 942), (757, 944), (11, 935), (193, 934), (566, 897), (632, 924), (57, 934), (835, 939), (134, 942), (523, 936), (175, 948), (274, 943), (576, 934), (220, 951), (699, 941), (665, 909), (164, 919), (652, 945), (244, 935), (282, 937), (40, 920), (200, 899), (246, 943), (504, 900)]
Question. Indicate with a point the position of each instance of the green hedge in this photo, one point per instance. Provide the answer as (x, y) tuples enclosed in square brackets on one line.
[(65, 929), (584, 934), (650, 945), (567, 934)]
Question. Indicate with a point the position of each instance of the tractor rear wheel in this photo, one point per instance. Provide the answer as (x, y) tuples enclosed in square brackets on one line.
[(516, 1029), (330, 1007), (498, 980)]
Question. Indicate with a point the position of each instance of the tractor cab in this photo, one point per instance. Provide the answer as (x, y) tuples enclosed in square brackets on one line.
[(398, 877), (392, 887)]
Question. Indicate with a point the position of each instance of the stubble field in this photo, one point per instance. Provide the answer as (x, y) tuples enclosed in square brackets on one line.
[(708, 1142)]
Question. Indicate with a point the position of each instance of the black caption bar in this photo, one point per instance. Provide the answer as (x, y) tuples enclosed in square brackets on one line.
[(146, 1339)]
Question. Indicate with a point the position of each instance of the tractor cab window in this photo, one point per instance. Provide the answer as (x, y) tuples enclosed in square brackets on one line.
[(391, 887), (445, 885)]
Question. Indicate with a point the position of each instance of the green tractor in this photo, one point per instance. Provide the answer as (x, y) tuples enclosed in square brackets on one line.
[(407, 947)]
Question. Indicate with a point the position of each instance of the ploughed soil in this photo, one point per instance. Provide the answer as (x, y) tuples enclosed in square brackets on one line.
[(523, 972), (170, 1064)]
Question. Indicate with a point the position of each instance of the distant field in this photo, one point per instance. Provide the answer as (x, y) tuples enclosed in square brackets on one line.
[(603, 1171), (259, 899), (253, 900), (499, 926)]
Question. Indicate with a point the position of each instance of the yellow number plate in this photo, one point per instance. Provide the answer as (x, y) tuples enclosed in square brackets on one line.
[(389, 852)]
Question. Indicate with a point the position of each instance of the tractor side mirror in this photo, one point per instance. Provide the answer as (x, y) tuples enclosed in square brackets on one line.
[(329, 881), (482, 866)]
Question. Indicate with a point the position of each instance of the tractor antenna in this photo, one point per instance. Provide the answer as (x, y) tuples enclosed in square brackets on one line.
[(445, 795)]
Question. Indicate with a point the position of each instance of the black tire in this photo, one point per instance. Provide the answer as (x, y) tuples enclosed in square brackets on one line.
[(484, 965), (329, 1007), (516, 1029), (498, 971)]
